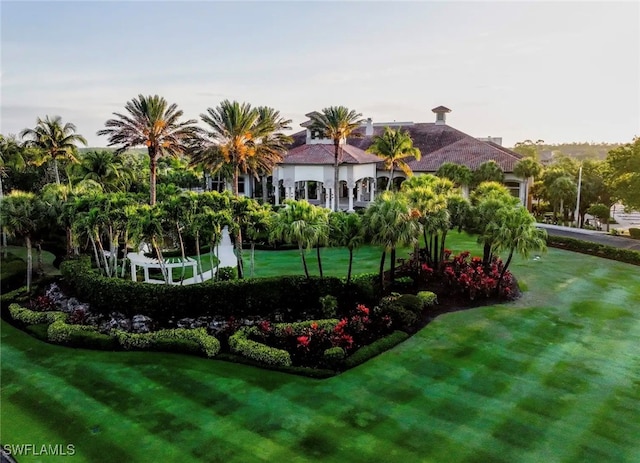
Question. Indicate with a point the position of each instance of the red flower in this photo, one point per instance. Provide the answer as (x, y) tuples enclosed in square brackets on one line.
[(314, 326), (364, 309), (340, 326), (265, 326), (303, 341), (288, 330)]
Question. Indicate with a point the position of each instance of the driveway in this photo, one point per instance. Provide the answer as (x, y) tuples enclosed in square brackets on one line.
[(593, 236)]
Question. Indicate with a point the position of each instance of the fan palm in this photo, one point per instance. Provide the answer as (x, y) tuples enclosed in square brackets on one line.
[(394, 146), (346, 230), (336, 123), (489, 171), (103, 167), (389, 222), (55, 139), (527, 168), (153, 123)]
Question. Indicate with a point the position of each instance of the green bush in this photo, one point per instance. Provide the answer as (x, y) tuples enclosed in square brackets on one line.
[(334, 356), (227, 273), (362, 289), (39, 331), (31, 317), (287, 295), (173, 340), (329, 306), (298, 328), (400, 315), (375, 348), (428, 298), (411, 302), (60, 332), (634, 233), (240, 344), (586, 247), (403, 283)]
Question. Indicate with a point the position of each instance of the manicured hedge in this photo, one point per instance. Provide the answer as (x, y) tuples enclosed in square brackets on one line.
[(173, 340), (31, 317), (240, 344), (375, 348), (288, 295), (601, 250), (634, 233)]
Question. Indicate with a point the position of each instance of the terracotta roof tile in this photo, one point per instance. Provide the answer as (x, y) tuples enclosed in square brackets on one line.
[(325, 154)]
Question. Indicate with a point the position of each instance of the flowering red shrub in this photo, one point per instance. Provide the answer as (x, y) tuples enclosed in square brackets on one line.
[(306, 347), (467, 276), (42, 304)]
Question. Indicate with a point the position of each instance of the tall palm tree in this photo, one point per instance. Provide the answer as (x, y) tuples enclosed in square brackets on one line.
[(346, 230), (336, 123), (296, 223), (516, 231), (258, 225), (390, 222), (20, 213), (394, 146), (247, 138), (56, 139), (153, 123), (563, 189)]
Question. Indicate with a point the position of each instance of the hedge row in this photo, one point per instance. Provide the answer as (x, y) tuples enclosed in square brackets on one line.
[(60, 332), (375, 348), (240, 344), (288, 295), (601, 250)]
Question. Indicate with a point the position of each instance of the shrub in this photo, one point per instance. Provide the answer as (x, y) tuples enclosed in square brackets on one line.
[(376, 348), (586, 247), (428, 298), (287, 295), (615, 232), (410, 302), (240, 344), (227, 273), (63, 333), (173, 340), (334, 356), (634, 233), (32, 317), (403, 283), (467, 276), (329, 306), (401, 317)]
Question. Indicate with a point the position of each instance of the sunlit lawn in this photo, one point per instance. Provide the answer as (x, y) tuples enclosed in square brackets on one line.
[(552, 377)]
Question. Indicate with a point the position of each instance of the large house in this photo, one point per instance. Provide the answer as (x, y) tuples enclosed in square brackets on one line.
[(307, 171)]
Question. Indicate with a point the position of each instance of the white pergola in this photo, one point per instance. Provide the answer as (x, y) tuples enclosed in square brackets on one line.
[(146, 263)]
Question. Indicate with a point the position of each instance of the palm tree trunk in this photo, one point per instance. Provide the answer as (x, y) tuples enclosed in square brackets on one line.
[(304, 261), (442, 247), (211, 246), (392, 273), (238, 244), (504, 270), (69, 241), (163, 269), (152, 176), (350, 265), (381, 274), (319, 260), (95, 251), (217, 261), (107, 269), (336, 176), (199, 258), (390, 178), (182, 253), (27, 240), (55, 170), (39, 258), (486, 254), (124, 257)]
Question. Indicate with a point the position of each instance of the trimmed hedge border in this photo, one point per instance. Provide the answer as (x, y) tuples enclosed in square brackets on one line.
[(375, 348), (288, 295), (60, 332), (595, 249)]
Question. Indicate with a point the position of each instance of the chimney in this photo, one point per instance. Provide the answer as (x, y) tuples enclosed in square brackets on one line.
[(369, 129), (441, 111)]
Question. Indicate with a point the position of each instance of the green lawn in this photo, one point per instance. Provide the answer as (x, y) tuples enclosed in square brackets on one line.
[(553, 377)]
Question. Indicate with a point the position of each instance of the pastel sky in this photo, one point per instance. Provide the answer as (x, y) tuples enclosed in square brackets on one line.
[(560, 72)]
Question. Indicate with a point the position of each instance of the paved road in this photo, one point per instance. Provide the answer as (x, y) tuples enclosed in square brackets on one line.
[(593, 236)]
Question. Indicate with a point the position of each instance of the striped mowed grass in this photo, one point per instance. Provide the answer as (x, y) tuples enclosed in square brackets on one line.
[(554, 376)]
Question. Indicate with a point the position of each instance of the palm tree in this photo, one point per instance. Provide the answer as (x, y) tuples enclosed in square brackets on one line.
[(153, 123), (336, 123), (489, 171), (516, 231), (460, 175), (321, 217), (103, 167), (247, 138), (258, 225), (147, 226), (55, 139), (20, 213), (296, 223), (390, 222), (527, 168), (394, 146), (562, 189), (346, 230)]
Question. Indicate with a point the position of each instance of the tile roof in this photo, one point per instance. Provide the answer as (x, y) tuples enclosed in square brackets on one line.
[(438, 143), (325, 154)]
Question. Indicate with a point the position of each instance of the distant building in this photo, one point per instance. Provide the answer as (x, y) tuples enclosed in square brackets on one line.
[(306, 171)]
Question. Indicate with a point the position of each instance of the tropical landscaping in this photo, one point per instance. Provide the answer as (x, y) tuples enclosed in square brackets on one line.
[(433, 324)]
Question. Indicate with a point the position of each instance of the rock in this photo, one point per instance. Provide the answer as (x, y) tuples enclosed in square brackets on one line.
[(141, 324), (72, 304), (185, 323)]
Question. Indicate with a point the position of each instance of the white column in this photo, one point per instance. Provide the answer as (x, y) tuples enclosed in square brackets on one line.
[(306, 190), (277, 192), (146, 273), (372, 187), (359, 190), (350, 186), (327, 197), (133, 272), (318, 191)]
